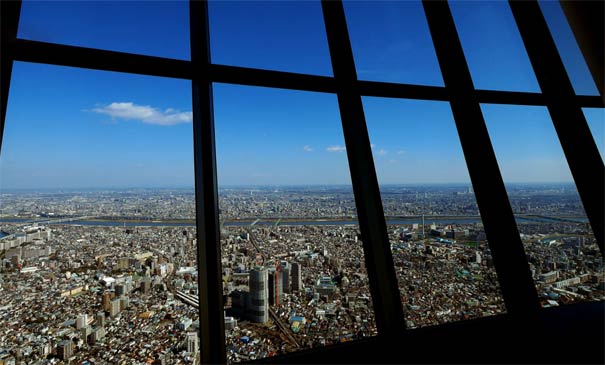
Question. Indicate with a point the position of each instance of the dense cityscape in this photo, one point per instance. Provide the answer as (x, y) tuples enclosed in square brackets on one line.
[(110, 276)]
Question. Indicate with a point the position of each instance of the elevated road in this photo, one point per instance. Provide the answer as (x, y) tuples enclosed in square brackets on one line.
[(283, 328), (187, 299)]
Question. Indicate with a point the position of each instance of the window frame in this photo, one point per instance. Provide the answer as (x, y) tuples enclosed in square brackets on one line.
[(496, 213)]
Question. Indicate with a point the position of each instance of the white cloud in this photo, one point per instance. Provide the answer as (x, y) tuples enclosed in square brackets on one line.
[(372, 145), (400, 152), (382, 152), (145, 113), (393, 161), (336, 149), (307, 148)]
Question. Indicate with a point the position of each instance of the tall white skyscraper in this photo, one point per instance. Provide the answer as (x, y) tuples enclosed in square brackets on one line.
[(81, 321), (192, 342)]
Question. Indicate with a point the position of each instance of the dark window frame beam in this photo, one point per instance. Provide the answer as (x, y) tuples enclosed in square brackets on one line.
[(567, 116), (100, 59), (388, 308), (104, 60), (10, 12), (516, 283), (210, 284)]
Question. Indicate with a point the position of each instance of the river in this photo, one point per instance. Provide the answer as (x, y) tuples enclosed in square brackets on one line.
[(397, 221)]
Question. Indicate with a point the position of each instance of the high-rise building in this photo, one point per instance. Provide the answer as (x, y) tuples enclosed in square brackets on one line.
[(145, 286), (258, 308), (296, 277), (124, 302), (97, 334), (100, 319), (192, 342), (106, 301), (275, 287), (84, 333), (478, 257), (181, 245), (115, 307), (285, 273), (64, 349), (81, 321), (120, 289)]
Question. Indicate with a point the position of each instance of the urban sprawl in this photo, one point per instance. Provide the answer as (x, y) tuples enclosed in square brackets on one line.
[(110, 276)]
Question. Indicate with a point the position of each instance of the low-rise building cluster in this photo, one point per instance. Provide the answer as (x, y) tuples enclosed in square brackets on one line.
[(100, 295), (111, 293)]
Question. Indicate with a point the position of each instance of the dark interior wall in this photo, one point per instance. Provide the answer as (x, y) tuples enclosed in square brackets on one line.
[(571, 334), (587, 21)]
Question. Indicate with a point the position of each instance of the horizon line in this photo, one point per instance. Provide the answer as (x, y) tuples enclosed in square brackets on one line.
[(221, 186)]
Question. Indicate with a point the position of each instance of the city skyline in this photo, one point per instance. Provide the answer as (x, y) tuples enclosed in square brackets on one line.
[(225, 187)]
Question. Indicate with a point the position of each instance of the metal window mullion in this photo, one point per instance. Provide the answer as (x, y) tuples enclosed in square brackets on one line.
[(99, 59), (588, 101), (569, 121), (9, 12), (210, 294), (516, 283), (269, 78), (377, 250)]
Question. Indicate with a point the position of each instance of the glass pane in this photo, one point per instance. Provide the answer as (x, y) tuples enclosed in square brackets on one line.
[(154, 28), (391, 42), (293, 265), (568, 48), (595, 117), (493, 46), (564, 258), (442, 259), (97, 210), (275, 35)]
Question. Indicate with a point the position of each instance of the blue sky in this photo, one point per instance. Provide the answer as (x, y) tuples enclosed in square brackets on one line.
[(69, 127), (526, 145)]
